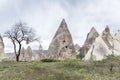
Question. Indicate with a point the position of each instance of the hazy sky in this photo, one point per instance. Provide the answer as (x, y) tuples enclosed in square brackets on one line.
[(45, 17)]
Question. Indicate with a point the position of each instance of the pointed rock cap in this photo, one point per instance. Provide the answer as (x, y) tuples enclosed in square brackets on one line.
[(107, 37), (93, 29), (107, 29), (77, 47), (29, 48), (61, 46), (23, 50), (63, 21), (91, 36), (63, 28), (106, 32), (93, 33), (40, 47)]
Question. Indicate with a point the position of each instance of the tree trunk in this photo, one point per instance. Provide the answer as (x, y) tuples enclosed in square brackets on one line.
[(111, 68), (19, 51), (17, 58), (16, 55), (14, 48)]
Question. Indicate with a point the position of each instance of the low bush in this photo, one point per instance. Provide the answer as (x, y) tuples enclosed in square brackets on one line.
[(49, 60)]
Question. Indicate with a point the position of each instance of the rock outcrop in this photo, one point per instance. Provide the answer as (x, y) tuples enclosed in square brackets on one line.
[(22, 54), (116, 44), (41, 54), (104, 45), (107, 37), (98, 51), (28, 54), (77, 48), (91, 36), (62, 46), (1, 48)]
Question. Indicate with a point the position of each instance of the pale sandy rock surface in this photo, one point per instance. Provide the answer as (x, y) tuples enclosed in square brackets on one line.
[(104, 45), (98, 50), (1, 48), (77, 48), (107, 37), (22, 54), (62, 46), (91, 36), (28, 54)]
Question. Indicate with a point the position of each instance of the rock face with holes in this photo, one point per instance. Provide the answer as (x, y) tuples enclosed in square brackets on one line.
[(91, 36), (1, 49), (62, 46)]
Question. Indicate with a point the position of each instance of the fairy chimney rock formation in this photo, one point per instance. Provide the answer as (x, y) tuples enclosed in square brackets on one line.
[(107, 37), (40, 52), (116, 44), (98, 51), (91, 36), (22, 55), (102, 47), (28, 54), (1, 48), (62, 46), (77, 48)]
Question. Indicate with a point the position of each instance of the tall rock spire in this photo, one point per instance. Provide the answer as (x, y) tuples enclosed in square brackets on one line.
[(28, 54), (62, 28), (91, 36), (98, 51), (107, 37), (62, 46), (1, 48), (40, 52), (22, 54), (102, 47)]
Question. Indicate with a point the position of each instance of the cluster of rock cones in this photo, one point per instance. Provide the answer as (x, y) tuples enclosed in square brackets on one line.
[(96, 46)]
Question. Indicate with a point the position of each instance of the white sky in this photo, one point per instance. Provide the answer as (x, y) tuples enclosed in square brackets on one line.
[(45, 17)]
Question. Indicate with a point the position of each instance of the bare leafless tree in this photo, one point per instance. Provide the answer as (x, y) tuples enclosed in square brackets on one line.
[(19, 33)]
